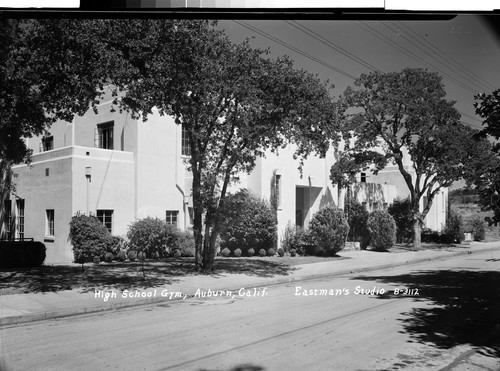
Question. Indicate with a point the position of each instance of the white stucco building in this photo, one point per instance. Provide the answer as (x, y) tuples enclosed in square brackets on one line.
[(121, 169)]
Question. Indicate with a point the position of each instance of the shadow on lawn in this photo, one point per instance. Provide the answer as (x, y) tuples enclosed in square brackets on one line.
[(125, 276), (465, 308)]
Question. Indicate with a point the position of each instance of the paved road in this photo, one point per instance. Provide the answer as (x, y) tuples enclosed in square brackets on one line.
[(447, 319)]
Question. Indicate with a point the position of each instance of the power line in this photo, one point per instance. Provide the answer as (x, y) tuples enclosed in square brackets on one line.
[(426, 53), (406, 51), (330, 44), (296, 50), (459, 66)]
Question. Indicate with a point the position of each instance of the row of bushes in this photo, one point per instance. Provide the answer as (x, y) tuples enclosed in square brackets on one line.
[(329, 229), (148, 238)]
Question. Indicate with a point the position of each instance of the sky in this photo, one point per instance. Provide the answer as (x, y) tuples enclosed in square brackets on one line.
[(465, 51)]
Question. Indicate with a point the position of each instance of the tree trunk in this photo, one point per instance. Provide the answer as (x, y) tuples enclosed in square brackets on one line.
[(417, 231)]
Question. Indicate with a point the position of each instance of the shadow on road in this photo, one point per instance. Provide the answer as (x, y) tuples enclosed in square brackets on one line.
[(465, 307), (125, 276)]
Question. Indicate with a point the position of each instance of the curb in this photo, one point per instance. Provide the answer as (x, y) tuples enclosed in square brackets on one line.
[(36, 317)]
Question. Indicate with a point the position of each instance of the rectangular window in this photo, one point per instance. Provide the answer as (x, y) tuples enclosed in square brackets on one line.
[(47, 144), (49, 216), (106, 218), (20, 219), (277, 189), (363, 177), (185, 147), (7, 219), (172, 217), (103, 136)]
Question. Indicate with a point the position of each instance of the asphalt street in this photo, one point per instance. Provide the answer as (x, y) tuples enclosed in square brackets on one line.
[(438, 315)]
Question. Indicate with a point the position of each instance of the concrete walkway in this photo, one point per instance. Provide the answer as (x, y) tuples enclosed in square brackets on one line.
[(23, 308)]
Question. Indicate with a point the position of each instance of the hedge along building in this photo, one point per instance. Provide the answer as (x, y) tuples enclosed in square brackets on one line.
[(120, 170)]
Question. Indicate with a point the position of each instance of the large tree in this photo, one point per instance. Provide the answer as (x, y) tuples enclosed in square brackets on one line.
[(43, 78), (234, 102), (392, 115), (486, 178)]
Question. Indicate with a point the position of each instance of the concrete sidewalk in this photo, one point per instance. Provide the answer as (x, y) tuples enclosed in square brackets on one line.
[(23, 308)]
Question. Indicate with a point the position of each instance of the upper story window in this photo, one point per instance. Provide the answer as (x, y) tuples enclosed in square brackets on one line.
[(47, 144), (103, 135), (363, 177), (185, 147)]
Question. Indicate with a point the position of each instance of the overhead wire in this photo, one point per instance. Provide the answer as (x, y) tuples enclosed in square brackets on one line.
[(470, 81), (295, 49), (459, 67), (331, 45)]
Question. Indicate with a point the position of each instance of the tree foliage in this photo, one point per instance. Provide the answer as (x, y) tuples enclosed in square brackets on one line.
[(487, 177), (357, 218), (391, 115)]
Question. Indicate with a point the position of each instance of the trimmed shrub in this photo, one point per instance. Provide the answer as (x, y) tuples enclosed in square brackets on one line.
[(281, 252), (271, 252), (225, 252), (108, 257), (382, 229), (176, 253), (454, 227), (402, 213), (96, 260), (132, 255), (262, 253), (115, 244), (357, 218), (185, 243), (293, 252), (328, 231), (237, 253), (295, 238), (89, 238), (477, 227), (153, 235), (141, 256), (250, 252), (20, 254), (121, 256), (247, 222)]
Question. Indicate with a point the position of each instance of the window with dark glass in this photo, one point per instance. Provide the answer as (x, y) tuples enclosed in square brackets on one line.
[(47, 144), (106, 218), (20, 219), (49, 214), (277, 189), (185, 147), (363, 177), (103, 136), (172, 217)]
